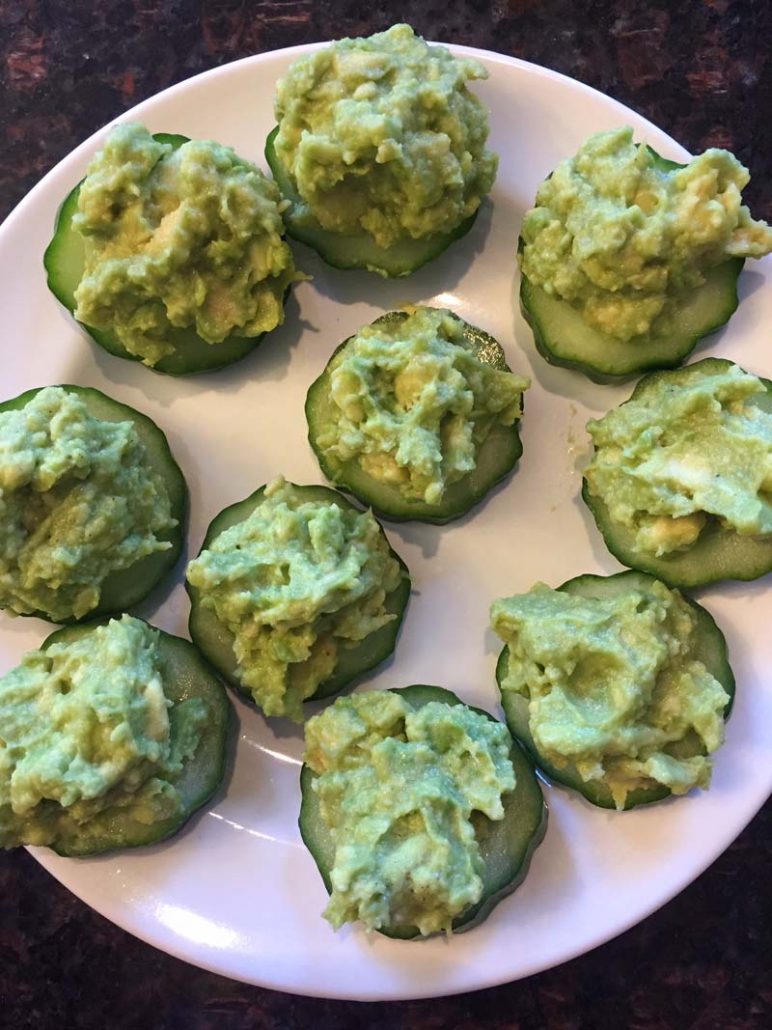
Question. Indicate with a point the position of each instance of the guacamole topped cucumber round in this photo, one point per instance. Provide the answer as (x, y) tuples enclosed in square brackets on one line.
[(171, 252), (92, 504), (380, 150)]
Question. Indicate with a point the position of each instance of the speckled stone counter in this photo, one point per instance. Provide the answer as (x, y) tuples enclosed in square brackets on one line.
[(700, 69)]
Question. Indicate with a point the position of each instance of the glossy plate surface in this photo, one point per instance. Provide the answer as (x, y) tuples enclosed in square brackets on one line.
[(236, 892)]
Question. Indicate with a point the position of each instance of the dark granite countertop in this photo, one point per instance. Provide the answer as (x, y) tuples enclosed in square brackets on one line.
[(702, 70)]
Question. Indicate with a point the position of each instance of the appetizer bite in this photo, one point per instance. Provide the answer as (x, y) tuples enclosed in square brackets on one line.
[(417, 415), (618, 686), (629, 259), (681, 478), (421, 813), (295, 593), (380, 150), (113, 735), (92, 504), (171, 252)]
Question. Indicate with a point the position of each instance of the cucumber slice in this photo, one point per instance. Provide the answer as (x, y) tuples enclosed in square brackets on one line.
[(357, 251), (719, 552), (506, 845), (709, 648), (215, 642), (64, 260), (495, 459), (185, 675), (124, 588), (563, 338)]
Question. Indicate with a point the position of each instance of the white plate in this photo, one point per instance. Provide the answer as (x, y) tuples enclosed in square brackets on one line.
[(236, 892)]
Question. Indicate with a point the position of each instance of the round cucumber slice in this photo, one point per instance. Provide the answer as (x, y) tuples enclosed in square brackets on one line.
[(506, 845), (496, 458), (185, 675), (563, 338), (357, 251), (215, 641), (709, 648), (719, 553), (124, 588), (64, 260)]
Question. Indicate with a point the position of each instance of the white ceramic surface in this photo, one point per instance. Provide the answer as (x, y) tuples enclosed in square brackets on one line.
[(236, 891)]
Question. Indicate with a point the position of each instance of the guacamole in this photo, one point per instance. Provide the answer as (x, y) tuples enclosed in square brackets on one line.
[(177, 238), (85, 735), (412, 403), (397, 787), (688, 449), (613, 687), (78, 501), (380, 136), (295, 583), (621, 239)]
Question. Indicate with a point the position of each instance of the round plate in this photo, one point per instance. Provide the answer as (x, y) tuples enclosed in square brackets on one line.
[(236, 891)]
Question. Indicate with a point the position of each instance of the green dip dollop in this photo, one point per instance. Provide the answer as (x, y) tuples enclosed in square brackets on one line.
[(294, 583), (85, 736), (180, 238), (612, 685), (397, 787), (413, 403), (620, 238), (79, 500), (692, 447), (381, 136)]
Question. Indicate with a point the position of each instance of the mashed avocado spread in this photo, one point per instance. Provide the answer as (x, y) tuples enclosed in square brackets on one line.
[(381, 136), (612, 685), (180, 238), (693, 446), (86, 736), (294, 583), (413, 403), (78, 501), (397, 787), (620, 238)]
